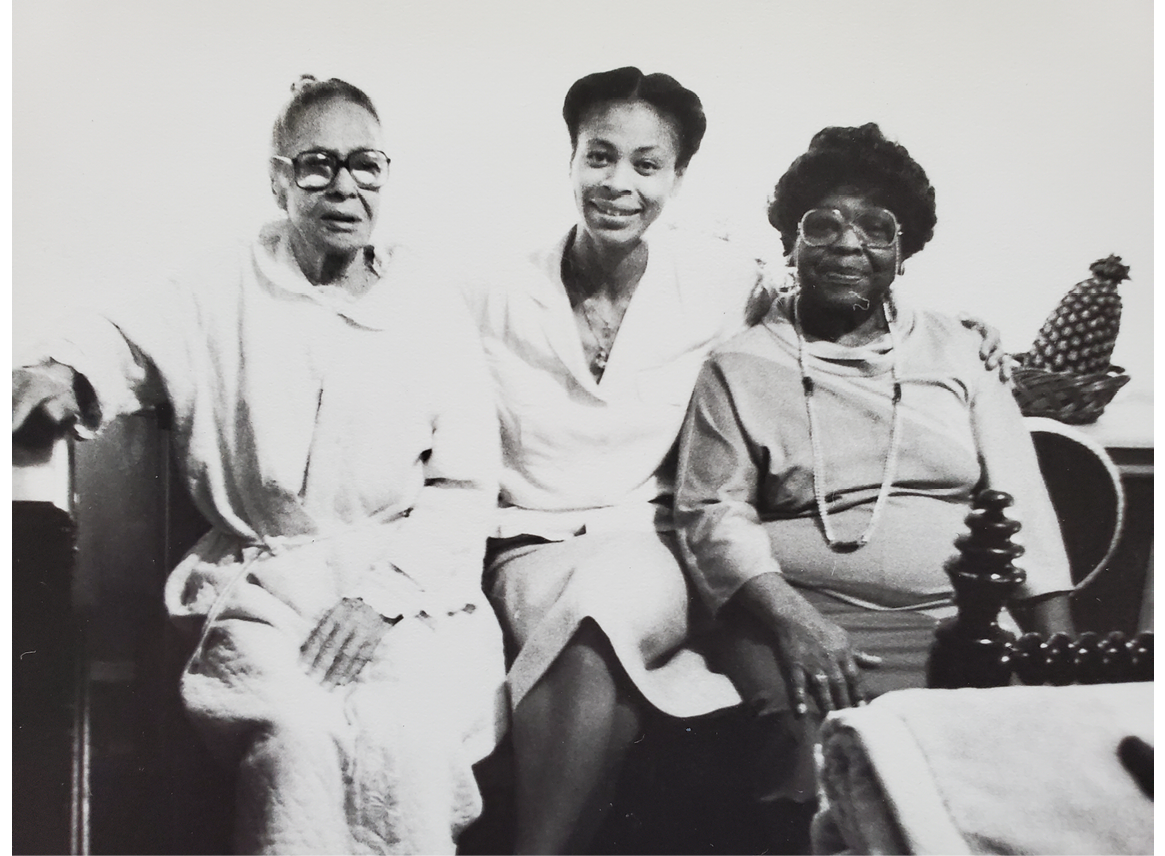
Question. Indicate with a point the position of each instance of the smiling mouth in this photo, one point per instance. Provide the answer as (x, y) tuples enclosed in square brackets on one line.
[(609, 210), (841, 275)]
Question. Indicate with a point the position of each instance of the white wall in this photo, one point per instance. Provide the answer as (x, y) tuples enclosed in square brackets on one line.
[(140, 128)]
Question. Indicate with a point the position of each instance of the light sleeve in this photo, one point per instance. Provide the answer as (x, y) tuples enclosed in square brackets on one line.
[(440, 545), (723, 541), (122, 376), (135, 354), (1009, 464)]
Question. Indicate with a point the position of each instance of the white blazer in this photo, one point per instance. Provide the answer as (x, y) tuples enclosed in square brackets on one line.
[(581, 455)]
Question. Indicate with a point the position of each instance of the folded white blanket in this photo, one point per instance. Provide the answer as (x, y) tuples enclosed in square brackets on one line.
[(1005, 770)]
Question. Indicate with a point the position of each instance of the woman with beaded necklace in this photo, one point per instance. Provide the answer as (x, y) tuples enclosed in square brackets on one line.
[(595, 343), (831, 453)]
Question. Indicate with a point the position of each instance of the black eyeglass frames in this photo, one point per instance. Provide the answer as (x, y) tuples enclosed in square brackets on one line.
[(315, 170)]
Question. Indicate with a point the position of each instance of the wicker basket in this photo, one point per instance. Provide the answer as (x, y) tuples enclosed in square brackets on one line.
[(1074, 399)]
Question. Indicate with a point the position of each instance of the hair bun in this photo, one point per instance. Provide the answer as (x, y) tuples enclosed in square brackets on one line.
[(305, 82)]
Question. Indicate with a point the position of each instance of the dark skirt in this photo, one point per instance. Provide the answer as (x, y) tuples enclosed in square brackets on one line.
[(784, 756)]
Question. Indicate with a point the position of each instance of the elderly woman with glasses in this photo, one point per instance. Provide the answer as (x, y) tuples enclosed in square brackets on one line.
[(333, 421), (831, 453), (595, 343)]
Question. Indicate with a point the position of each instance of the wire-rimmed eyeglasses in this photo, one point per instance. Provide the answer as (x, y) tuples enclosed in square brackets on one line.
[(875, 227)]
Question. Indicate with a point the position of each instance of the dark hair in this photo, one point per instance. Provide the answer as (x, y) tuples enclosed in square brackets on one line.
[(306, 93), (661, 91), (862, 158)]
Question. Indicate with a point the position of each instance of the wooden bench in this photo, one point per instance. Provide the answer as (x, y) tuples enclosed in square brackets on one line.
[(107, 763)]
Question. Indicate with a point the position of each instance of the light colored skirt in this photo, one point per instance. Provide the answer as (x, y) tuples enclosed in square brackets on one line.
[(631, 584)]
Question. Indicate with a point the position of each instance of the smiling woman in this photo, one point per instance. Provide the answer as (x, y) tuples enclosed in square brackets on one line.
[(632, 137), (334, 424), (846, 262), (624, 169), (830, 455), (594, 344)]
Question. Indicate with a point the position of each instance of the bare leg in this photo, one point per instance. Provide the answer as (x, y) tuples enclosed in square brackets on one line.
[(571, 733)]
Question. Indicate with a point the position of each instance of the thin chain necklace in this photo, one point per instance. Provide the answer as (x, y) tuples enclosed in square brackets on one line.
[(605, 341), (891, 465)]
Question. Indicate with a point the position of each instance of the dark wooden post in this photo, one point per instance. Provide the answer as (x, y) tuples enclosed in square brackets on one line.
[(971, 649), (45, 660)]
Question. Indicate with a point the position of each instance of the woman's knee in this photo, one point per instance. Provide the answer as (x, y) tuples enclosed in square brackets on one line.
[(587, 661), (586, 674)]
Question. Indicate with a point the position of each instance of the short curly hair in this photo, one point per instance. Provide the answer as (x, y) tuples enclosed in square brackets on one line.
[(661, 91), (864, 159), (306, 93)]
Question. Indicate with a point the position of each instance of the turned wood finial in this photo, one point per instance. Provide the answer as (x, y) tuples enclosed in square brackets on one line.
[(972, 650)]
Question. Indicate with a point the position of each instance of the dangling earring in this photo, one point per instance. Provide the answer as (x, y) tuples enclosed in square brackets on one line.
[(899, 262), (792, 280)]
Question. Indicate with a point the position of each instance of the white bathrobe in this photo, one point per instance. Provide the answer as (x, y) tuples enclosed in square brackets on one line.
[(341, 447)]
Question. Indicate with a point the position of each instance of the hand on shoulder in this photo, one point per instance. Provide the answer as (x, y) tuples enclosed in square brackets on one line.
[(46, 399), (991, 351)]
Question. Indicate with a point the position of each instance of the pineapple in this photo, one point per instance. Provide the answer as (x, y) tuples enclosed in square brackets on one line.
[(1079, 335)]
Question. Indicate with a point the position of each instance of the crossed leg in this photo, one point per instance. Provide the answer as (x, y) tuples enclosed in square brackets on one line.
[(571, 733)]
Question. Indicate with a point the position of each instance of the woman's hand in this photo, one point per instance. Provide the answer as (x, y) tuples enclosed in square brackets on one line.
[(820, 661), (817, 655), (49, 387), (343, 642), (991, 349)]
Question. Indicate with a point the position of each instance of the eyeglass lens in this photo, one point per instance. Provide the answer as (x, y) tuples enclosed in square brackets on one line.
[(317, 170), (824, 226)]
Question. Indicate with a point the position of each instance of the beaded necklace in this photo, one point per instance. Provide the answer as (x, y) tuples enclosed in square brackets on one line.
[(819, 492)]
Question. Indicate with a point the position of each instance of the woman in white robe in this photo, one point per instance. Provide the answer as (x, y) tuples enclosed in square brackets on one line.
[(334, 424)]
